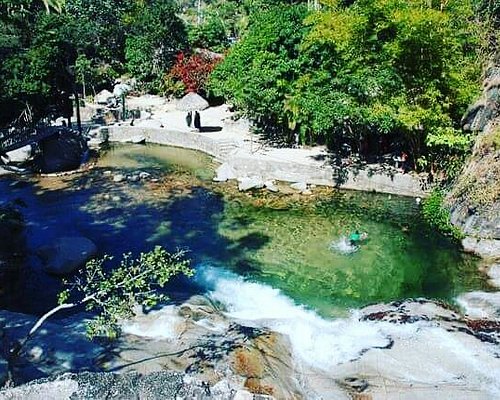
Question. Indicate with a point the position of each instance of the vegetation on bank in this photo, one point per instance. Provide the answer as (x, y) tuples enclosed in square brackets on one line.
[(382, 76), (437, 215)]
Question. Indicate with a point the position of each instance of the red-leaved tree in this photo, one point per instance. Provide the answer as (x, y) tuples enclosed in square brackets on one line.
[(194, 70)]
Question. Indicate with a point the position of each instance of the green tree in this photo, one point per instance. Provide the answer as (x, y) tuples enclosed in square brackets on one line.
[(256, 75), (113, 293), (155, 36), (381, 75)]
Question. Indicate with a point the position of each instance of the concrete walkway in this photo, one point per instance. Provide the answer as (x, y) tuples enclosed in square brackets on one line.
[(232, 143)]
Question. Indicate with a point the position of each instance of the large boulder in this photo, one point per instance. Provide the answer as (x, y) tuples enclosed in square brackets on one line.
[(157, 385), (66, 254), (103, 97), (62, 151)]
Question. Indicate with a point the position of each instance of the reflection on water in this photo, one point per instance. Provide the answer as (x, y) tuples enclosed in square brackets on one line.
[(287, 247)]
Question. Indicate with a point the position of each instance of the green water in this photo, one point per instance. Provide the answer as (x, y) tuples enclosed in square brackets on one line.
[(291, 250), (289, 246), (281, 240), (162, 158)]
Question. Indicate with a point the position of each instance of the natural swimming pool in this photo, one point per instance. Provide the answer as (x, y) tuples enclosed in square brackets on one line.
[(283, 241)]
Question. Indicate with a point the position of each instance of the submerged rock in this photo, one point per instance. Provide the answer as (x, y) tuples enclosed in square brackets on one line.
[(66, 254), (119, 178)]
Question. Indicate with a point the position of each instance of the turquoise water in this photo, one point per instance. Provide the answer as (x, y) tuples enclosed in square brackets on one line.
[(401, 258), (279, 240)]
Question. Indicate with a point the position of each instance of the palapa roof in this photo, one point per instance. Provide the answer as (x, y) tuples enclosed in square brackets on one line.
[(192, 102)]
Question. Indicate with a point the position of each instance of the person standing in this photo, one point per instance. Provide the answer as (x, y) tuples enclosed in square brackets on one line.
[(189, 118), (197, 122)]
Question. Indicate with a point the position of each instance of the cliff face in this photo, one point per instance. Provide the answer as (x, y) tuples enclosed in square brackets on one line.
[(475, 198)]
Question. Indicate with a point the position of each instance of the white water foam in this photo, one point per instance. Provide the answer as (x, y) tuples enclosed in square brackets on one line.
[(343, 246), (160, 324), (316, 341), (426, 354)]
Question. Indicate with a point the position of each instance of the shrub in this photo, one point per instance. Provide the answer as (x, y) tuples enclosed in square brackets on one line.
[(438, 216)]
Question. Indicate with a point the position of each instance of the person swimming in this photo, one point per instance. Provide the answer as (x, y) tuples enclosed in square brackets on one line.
[(356, 238)]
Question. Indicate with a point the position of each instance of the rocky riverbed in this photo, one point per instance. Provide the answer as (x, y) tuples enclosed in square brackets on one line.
[(416, 348)]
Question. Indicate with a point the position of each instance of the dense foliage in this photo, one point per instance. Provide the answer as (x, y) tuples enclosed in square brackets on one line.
[(437, 215), (383, 75), (194, 70), (48, 56)]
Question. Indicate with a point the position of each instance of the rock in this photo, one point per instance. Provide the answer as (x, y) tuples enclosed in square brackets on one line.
[(66, 254), (137, 139), (493, 273), (473, 199), (20, 156), (300, 186), (225, 172), (481, 304), (116, 198), (247, 183), (103, 97), (144, 175), (35, 353), (486, 108), (156, 385), (63, 151), (133, 178), (4, 371), (119, 178), (486, 248), (107, 172), (269, 185)]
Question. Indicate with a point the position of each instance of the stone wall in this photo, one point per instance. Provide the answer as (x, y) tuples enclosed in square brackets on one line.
[(246, 164)]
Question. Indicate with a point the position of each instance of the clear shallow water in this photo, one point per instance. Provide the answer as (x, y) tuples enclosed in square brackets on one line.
[(279, 242)]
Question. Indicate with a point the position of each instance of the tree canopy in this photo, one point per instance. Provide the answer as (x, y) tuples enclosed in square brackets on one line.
[(363, 72)]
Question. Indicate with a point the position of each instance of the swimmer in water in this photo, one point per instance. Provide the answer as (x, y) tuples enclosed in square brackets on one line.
[(356, 238)]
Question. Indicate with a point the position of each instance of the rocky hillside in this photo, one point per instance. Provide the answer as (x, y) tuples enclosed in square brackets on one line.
[(475, 197)]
